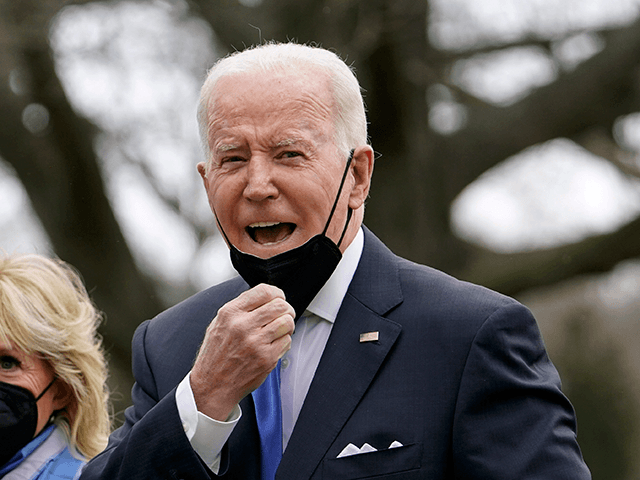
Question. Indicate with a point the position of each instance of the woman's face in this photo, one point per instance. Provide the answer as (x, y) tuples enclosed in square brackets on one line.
[(34, 374)]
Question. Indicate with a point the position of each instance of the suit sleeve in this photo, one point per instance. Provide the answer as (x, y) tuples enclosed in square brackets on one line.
[(152, 443), (512, 420)]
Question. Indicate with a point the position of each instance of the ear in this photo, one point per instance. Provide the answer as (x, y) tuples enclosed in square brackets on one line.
[(361, 169), (202, 170), (62, 395)]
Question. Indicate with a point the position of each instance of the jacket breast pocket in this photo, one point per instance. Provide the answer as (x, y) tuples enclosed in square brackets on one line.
[(372, 464)]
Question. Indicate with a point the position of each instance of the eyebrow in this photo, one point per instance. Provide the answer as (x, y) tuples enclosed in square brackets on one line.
[(11, 351), (225, 147), (287, 141), (302, 142)]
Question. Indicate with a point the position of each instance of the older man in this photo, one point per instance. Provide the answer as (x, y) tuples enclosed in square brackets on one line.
[(391, 369)]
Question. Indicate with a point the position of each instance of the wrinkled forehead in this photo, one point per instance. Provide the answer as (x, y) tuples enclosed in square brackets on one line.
[(273, 87)]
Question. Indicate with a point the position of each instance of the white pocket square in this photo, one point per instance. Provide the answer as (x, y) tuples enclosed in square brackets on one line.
[(351, 449)]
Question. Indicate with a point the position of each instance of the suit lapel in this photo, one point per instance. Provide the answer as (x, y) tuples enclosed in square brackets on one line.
[(347, 366)]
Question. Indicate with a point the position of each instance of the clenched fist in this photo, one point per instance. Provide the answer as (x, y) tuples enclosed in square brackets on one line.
[(242, 345)]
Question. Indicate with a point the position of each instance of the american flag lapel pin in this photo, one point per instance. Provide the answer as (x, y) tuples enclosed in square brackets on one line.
[(369, 337)]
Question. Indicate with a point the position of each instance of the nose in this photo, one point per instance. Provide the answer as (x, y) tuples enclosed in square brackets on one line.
[(259, 180)]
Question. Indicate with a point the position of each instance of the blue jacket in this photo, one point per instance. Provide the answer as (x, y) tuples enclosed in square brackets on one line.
[(46, 457)]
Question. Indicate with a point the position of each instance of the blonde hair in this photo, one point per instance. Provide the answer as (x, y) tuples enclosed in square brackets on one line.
[(45, 310), (350, 119)]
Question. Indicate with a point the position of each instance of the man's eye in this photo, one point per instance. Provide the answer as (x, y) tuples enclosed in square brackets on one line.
[(7, 362), (232, 159), (291, 154)]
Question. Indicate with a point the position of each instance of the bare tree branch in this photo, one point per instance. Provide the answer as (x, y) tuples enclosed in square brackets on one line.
[(485, 47), (512, 273), (597, 92), (171, 202)]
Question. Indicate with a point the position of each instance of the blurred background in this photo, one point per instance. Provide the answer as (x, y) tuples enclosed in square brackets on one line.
[(508, 141)]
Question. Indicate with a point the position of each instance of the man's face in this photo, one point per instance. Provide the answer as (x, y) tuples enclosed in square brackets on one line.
[(275, 169)]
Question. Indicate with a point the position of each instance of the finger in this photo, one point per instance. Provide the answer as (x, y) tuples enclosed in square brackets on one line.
[(276, 328), (281, 345), (263, 303), (273, 309), (257, 296), (281, 326)]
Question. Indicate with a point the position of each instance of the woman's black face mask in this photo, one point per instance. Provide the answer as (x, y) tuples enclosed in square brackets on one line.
[(18, 418), (300, 272)]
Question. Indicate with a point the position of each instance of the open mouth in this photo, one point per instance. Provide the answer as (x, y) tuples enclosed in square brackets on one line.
[(266, 233)]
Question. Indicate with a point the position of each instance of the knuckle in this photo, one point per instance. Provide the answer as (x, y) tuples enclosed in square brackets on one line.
[(261, 289), (279, 304), (225, 310), (285, 307), (270, 291), (265, 290)]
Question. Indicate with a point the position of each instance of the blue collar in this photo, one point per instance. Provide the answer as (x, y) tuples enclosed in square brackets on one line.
[(26, 450)]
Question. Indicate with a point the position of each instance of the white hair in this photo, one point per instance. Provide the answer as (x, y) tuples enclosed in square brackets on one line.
[(350, 120)]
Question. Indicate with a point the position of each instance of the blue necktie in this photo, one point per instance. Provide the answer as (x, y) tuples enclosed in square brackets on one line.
[(266, 399)]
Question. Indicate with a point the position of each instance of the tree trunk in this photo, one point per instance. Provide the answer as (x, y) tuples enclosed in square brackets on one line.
[(59, 170)]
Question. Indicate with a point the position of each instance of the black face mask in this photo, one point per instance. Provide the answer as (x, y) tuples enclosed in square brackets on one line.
[(300, 272), (18, 418)]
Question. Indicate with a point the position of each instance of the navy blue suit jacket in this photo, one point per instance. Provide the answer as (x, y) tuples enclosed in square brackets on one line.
[(459, 376)]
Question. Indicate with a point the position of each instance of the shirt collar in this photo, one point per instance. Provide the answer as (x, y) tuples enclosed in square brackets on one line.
[(328, 300)]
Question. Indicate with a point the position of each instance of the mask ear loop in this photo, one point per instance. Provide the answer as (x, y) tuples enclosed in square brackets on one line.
[(344, 230), (220, 226), (47, 387), (335, 204)]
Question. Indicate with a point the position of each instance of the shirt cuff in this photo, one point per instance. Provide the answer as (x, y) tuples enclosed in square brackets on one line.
[(206, 435)]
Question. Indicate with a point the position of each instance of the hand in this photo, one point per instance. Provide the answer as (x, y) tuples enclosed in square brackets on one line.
[(242, 345)]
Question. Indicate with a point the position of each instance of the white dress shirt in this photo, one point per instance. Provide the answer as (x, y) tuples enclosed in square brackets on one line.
[(298, 366)]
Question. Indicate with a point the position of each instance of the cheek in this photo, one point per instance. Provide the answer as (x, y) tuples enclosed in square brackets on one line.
[(223, 183), (217, 199), (224, 197)]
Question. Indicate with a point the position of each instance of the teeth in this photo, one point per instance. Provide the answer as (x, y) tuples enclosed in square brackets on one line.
[(263, 224)]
